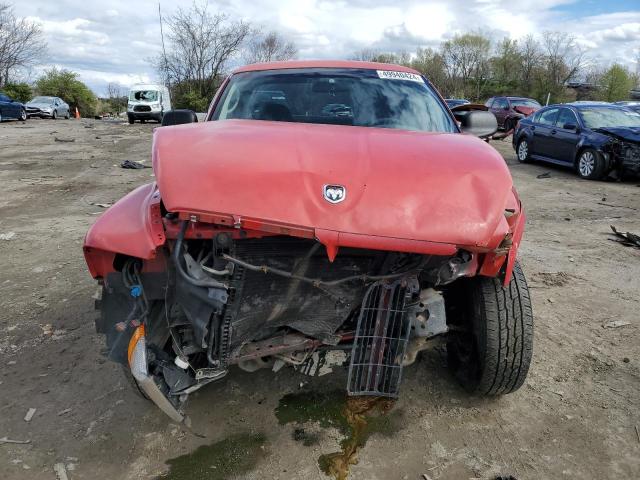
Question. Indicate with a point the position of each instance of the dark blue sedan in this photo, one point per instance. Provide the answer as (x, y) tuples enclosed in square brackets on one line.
[(596, 139), (11, 109)]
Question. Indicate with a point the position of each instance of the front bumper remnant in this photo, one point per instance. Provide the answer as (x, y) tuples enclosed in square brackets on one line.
[(139, 369)]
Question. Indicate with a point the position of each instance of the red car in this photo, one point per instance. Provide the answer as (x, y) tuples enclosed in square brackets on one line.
[(509, 110), (325, 214)]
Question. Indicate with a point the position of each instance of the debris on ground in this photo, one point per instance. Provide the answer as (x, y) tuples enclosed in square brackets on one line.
[(133, 165), (544, 175), (64, 412), (102, 205), (7, 236), (627, 238), (16, 442), (61, 471), (616, 324), (30, 414), (64, 140), (616, 206)]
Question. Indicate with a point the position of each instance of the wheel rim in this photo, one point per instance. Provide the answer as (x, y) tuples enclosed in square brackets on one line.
[(587, 164), (523, 150)]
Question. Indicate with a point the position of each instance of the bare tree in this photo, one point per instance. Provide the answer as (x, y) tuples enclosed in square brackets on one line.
[(270, 47), (531, 58), (117, 97), (21, 43), (365, 55), (466, 58), (563, 58), (200, 46)]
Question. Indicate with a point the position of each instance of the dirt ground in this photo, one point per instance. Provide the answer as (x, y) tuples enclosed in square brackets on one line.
[(577, 417)]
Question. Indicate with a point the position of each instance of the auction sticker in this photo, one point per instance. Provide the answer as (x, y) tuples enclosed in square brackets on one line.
[(391, 75)]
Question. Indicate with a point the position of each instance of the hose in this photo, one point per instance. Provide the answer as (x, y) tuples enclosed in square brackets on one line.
[(175, 256)]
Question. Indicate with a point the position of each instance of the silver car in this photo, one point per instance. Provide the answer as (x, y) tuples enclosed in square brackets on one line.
[(47, 107)]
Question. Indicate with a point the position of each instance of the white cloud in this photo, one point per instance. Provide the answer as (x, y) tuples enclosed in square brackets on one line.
[(113, 41)]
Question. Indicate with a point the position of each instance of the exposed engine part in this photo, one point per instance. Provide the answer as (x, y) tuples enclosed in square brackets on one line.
[(316, 281), (428, 320), (463, 264), (428, 317), (381, 339)]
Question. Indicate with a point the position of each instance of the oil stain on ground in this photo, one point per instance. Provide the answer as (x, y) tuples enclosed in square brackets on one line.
[(357, 418), (222, 460)]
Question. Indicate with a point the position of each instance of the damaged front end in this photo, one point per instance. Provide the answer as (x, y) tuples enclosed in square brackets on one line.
[(213, 298), (622, 150)]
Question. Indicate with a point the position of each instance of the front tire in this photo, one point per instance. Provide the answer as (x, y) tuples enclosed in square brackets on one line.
[(131, 120), (523, 152), (591, 164), (54, 115), (23, 115), (491, 343)]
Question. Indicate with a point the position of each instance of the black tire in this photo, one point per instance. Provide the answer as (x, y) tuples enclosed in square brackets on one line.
[(54, 115), (23, 115), (491, 344), (142, 120), (590, 164), (508, 124), (67, 116), (131, 120), (523, 150)]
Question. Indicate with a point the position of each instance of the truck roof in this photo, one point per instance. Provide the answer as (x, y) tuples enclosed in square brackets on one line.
[(324, 64)]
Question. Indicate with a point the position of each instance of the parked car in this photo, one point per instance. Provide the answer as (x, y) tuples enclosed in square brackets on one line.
[(11, 109), (48, 107), (455, 102), (510, 110), (594, 138), (633, 105), (325, 212), (148, 102)]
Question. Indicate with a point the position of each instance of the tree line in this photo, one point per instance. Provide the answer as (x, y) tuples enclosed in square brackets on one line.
[(472, 66)]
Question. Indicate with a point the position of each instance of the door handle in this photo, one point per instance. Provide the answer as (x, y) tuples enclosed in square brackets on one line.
[(553, 132), (533, 127)]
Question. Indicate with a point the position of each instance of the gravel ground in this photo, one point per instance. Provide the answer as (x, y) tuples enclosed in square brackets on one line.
[(577, 417)]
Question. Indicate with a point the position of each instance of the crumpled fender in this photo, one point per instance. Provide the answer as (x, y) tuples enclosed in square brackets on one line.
[(501, 262), (132, 226)]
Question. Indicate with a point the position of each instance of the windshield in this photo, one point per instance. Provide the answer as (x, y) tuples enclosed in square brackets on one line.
[(46, 100), (524, 102), (144, 95), (600, 117), (358, 97)]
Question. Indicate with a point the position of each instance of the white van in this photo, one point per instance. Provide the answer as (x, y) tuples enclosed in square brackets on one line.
[(148, 102)]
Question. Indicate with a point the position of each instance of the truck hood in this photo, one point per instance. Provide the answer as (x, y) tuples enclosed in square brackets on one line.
[(435, 187), (526, 111)]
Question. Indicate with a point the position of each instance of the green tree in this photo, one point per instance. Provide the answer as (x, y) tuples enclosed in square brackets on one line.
[(616, 83), (467, 63), (19, 91), (65, 84)]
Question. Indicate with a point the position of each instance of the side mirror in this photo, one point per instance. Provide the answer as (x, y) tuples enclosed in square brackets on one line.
[(477, 122), (570, 126), (178, 117)]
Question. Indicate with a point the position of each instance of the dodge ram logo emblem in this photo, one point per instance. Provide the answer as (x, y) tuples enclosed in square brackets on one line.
[(334, 193)]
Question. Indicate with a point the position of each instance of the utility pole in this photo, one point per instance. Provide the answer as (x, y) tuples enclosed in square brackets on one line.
[(164, 51)]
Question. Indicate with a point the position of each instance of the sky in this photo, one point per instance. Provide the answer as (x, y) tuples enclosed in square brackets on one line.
[(113, 40)]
